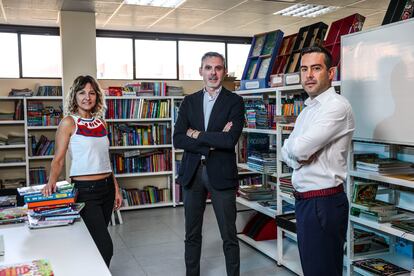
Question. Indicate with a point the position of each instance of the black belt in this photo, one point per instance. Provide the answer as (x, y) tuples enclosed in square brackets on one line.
[(93, 183)]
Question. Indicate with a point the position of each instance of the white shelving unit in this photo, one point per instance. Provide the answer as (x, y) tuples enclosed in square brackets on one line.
[(171, 174), (283, 250), (285, 253), (26, 130), (382, 228)]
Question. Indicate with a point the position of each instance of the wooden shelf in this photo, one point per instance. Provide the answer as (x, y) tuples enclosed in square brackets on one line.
[(47, 98)]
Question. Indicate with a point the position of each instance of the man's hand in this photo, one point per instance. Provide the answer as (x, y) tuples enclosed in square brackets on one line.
[(227, 127), (310, 160), (192, 133)]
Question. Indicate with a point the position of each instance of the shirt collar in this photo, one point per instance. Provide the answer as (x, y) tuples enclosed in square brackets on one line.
[(216, 93), (321, 98)]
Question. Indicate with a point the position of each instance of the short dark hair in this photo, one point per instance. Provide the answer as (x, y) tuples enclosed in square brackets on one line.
[(318, 49), (213, 54)]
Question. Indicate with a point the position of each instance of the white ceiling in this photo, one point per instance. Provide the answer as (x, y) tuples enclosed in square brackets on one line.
[(209, 17)]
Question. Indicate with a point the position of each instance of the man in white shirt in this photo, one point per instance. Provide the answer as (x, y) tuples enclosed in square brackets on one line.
[(317, 150)]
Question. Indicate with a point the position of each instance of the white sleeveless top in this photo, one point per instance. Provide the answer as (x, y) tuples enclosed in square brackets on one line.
[(89, 147)]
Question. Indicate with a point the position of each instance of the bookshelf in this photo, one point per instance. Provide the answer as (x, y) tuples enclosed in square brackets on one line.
[(398, 188), (142, 131), (284, 249), (27, 124)]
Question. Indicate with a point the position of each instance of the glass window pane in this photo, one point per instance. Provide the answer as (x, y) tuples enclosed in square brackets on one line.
[(155, 59), (236, 60), (9, 56), (41, 56), (114, 58), (190, 53)]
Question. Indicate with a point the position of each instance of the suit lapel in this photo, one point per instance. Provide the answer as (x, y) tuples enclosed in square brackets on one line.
[(199, 116), (218, 106)]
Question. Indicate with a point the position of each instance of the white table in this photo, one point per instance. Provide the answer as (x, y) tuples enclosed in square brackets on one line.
[(70, 249)]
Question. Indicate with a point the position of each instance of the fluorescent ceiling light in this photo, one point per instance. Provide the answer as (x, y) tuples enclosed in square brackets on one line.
[(156, 3), (306, 10)]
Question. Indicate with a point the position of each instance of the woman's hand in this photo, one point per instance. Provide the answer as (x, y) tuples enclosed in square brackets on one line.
[(49, 189), (118, 199)]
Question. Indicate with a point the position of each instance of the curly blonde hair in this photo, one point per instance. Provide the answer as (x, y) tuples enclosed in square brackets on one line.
[(71, 107)]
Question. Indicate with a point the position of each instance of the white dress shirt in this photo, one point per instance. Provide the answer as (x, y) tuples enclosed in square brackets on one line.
[(324, 128)]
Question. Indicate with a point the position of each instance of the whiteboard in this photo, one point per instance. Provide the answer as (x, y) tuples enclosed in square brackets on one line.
[(377, 78)]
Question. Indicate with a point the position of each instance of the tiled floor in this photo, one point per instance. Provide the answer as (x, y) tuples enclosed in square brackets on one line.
[(151, 242)]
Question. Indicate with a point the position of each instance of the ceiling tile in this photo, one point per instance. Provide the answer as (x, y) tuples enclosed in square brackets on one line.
[(210, 4), (262, 7)]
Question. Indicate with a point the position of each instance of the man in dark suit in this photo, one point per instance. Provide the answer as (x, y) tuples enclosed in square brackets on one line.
[(208, 127)]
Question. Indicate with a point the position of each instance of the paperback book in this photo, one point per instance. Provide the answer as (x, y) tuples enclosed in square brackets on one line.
[(32, 268), (381, 267)]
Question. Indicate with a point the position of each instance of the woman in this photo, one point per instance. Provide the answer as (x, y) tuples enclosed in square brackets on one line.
[(84, 134)]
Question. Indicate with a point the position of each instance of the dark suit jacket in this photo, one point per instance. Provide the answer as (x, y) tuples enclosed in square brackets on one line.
[(221, 161)]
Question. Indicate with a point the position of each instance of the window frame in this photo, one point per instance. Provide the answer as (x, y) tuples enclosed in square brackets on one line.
[(30, 30)]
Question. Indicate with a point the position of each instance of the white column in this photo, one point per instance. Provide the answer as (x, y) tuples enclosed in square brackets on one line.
[(78, 40)]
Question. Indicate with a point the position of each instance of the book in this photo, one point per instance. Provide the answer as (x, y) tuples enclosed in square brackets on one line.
[(61, 194), (32, 268), (37, 189), (380, 267), (13, 215), (374, 206), (68, 200), (364, 191)]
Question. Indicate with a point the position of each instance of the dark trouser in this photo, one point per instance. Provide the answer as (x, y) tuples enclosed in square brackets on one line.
[(321, 224), (224, 205), (99, 199)]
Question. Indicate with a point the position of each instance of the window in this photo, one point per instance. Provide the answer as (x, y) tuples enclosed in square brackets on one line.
[(41, 56), (9, 56), (236, 59), (190, 53), (155, 59), (114, 58)]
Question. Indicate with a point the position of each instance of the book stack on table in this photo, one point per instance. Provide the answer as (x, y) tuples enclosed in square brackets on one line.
[(58, 209)]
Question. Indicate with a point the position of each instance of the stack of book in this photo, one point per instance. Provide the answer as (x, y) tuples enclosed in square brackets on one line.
[(262, 162), (383, 165), (368, 242), (256, 192), (13, 215), (404, 225), (8, 201), (25, 92), (15, 138), (48, 90), (55, 210), (250, 180), (365, 205), (13, 183), (286, 185), (379, 266), (6, 116), (175, 90), (40, 115)]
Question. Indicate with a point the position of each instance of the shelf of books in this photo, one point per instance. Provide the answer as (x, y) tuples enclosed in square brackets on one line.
[(380, 188), (140, 134), (23, 121), (258, 151)]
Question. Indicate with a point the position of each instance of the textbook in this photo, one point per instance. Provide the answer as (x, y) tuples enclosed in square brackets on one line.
[(37, 189), (67, 193), (381, 267), (32, 268)]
